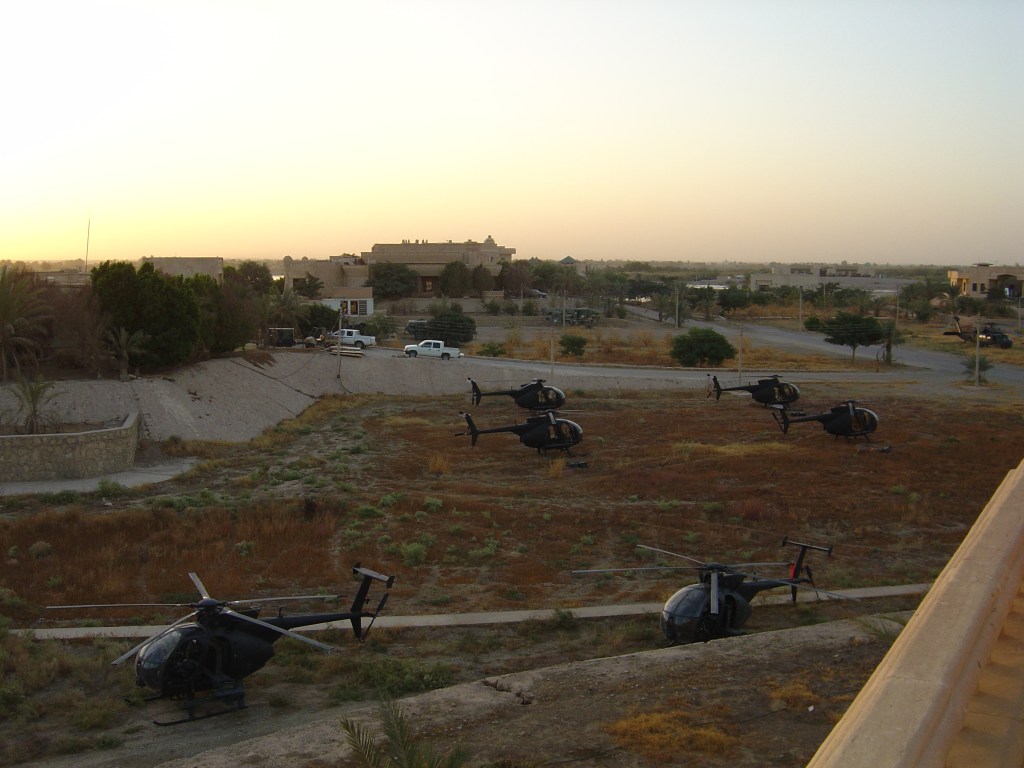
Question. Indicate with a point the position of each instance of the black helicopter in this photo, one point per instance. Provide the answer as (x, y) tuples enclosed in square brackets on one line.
[(221, 642), (545, 432), (842, 420), (536, 396), (719, 604), (991, 335), (770, 391)]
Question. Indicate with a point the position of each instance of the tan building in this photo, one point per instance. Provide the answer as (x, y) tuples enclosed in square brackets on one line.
[(979, 279), (428, 259), (343, 280)]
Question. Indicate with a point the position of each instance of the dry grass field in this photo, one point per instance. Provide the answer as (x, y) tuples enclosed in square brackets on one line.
[(387, 482)]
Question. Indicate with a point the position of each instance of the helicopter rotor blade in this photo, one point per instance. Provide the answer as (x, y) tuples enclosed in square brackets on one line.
[(122, 605), (125, 656), (199, 585), (280, 630), (673, 554), (251, 601), (642, 568), (714, 593)]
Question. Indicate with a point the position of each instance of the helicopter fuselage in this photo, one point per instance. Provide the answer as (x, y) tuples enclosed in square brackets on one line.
[(213, 651), (687, 617)]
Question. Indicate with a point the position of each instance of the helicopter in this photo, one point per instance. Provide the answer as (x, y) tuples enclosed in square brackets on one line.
[(842, 420), (536, 396), (991, 335), (768, 391), (223, 641), (544, 432), (719, 604)]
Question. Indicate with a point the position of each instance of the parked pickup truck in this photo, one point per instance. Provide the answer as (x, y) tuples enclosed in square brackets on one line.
[(351, 337), (432, 348)]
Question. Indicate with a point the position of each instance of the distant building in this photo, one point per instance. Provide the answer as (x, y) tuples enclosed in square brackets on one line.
[(813, 276), (343, 281), (188, 267), (428, 259), (978, 280)]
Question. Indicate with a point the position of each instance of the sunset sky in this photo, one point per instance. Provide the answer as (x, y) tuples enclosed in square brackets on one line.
[(788, 130)]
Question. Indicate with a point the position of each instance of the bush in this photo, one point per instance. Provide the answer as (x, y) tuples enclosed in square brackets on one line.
[(492, 349), (701, 347), (571, 344)]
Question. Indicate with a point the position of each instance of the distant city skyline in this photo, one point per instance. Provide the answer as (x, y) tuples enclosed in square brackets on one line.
[(750, 131)]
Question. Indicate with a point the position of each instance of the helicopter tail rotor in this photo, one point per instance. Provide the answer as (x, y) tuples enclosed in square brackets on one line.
[(361, 597), (781, 417), (714, 388), (474, 433), (477, 394)]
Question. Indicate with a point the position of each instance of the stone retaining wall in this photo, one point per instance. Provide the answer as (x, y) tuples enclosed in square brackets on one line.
[(69, 455)]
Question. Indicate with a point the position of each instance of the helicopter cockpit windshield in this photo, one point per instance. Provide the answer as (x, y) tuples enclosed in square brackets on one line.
[(153, 657), (688, 603)]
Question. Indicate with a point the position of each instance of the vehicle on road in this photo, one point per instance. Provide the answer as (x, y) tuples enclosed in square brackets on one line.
[(351, 337), (432, 348)]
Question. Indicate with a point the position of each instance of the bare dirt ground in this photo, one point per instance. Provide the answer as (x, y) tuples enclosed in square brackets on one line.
[(365, 477)]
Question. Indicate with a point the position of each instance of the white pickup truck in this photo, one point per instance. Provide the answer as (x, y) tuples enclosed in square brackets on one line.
[(351, 337), (432, 348)]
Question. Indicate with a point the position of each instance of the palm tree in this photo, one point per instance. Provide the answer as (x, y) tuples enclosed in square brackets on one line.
[(23, 316), (32, 395), (287, 307), (401, 749), (124, 345)]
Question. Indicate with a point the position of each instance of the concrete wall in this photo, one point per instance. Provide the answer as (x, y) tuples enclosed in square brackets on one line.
[(915, 706), (69, 455)]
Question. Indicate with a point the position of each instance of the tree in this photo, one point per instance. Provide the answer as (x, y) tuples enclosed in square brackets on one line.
[(450, 324), (850, 330), (975, 367), (32, 395), (573, 345), (401, 748), (733, 298), (701, 347), (23, 320), (161, 306), (287, 308), (891, 336), (310, 287), (516, 277), (704, 298), (454, 280), (254, 274), (481, 279), (392, 281), (124, 346)]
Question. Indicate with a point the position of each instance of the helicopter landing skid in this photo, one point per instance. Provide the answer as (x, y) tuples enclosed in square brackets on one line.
[(234, 696)]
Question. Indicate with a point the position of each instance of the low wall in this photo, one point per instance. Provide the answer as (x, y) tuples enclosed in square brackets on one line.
[(913, 707), (69, 455)]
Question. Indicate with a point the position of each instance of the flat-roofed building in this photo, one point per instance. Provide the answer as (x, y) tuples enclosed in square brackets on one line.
[(978, 280), (428, 259), (342, 278)]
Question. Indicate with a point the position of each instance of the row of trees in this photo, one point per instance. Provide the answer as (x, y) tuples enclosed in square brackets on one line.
[(671, 296), (128, 317)]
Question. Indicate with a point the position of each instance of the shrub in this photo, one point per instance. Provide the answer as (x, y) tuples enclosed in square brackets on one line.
[(573, 345)]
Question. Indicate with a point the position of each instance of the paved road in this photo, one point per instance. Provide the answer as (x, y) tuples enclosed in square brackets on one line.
[(484, 617)]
